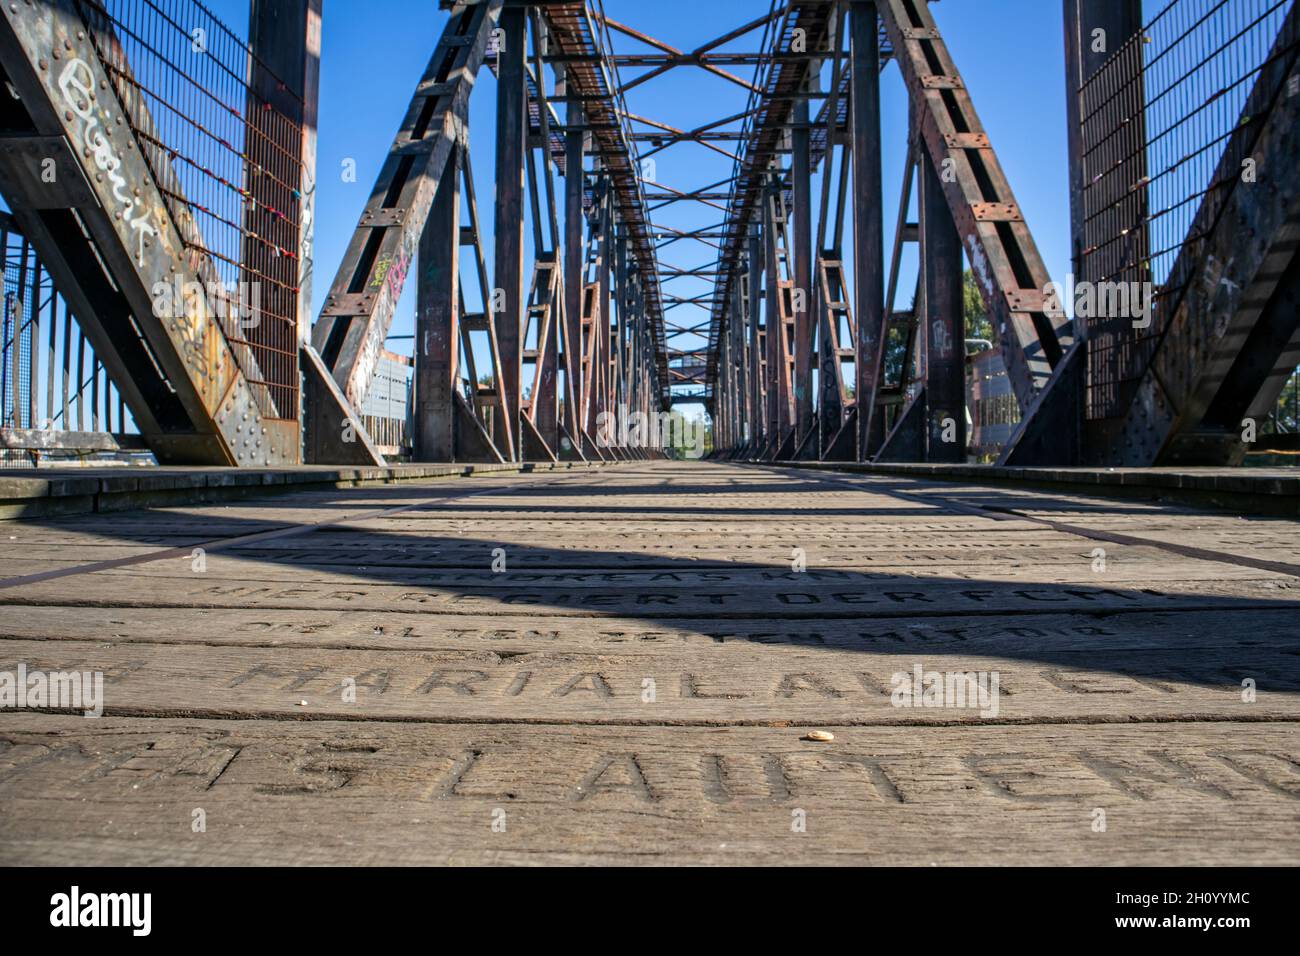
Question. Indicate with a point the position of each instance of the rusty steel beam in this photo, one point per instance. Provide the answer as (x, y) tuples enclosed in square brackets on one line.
[(868, 221), (1225, 343), (574, 268), (508, 230), (944, 328), (1009, 270), (437, 323), (801, 249), (196, 397)]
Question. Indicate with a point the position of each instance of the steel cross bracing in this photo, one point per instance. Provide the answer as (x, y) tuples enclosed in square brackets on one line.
[(589, 330), (1134, 390), (144, 238), (888, 412), (687, 363)]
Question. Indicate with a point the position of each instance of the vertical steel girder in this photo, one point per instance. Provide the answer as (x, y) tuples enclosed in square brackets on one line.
[(944, 329), (758, 345), (781, 323), (437, 322), (191, 392), (868, 222), (508, 230), (1118, 20), (285, 40), (574, 269), (603, 324), (801, 249)]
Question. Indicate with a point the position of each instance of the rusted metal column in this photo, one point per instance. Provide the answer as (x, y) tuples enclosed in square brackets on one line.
[(945, 323), (545, 401), (1085, 51), (739, 363), (868, 218), (737, 366), (722, 396), (284, 36), (1096, 31), (437, 322), (801, 248), (602, 330), (758, 410), (618, 328), (772, 321), (508, 279), (284, 74), (742, 366), (574, 227)]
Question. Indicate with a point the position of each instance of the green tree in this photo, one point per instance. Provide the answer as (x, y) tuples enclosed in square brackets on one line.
[(978, 325), (1285, 419)]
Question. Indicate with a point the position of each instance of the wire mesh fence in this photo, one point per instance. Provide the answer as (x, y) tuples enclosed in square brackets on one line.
[(222, 136), (1167, 125), (56, 398)]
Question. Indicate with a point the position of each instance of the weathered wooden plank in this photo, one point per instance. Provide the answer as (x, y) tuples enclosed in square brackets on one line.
[(127, 791), (528, 690), (802, 599), (740, 684), (1031, 637), (464, 551)]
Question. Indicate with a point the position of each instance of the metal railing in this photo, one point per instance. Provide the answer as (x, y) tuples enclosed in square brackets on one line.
[(1167, 125), (212, 123), (57, 400)]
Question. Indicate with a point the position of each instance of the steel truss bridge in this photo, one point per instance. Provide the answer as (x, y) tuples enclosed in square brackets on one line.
[(128, 169), (379, 594)]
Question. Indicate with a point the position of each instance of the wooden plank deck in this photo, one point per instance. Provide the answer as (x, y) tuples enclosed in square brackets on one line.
[(345, 678)]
